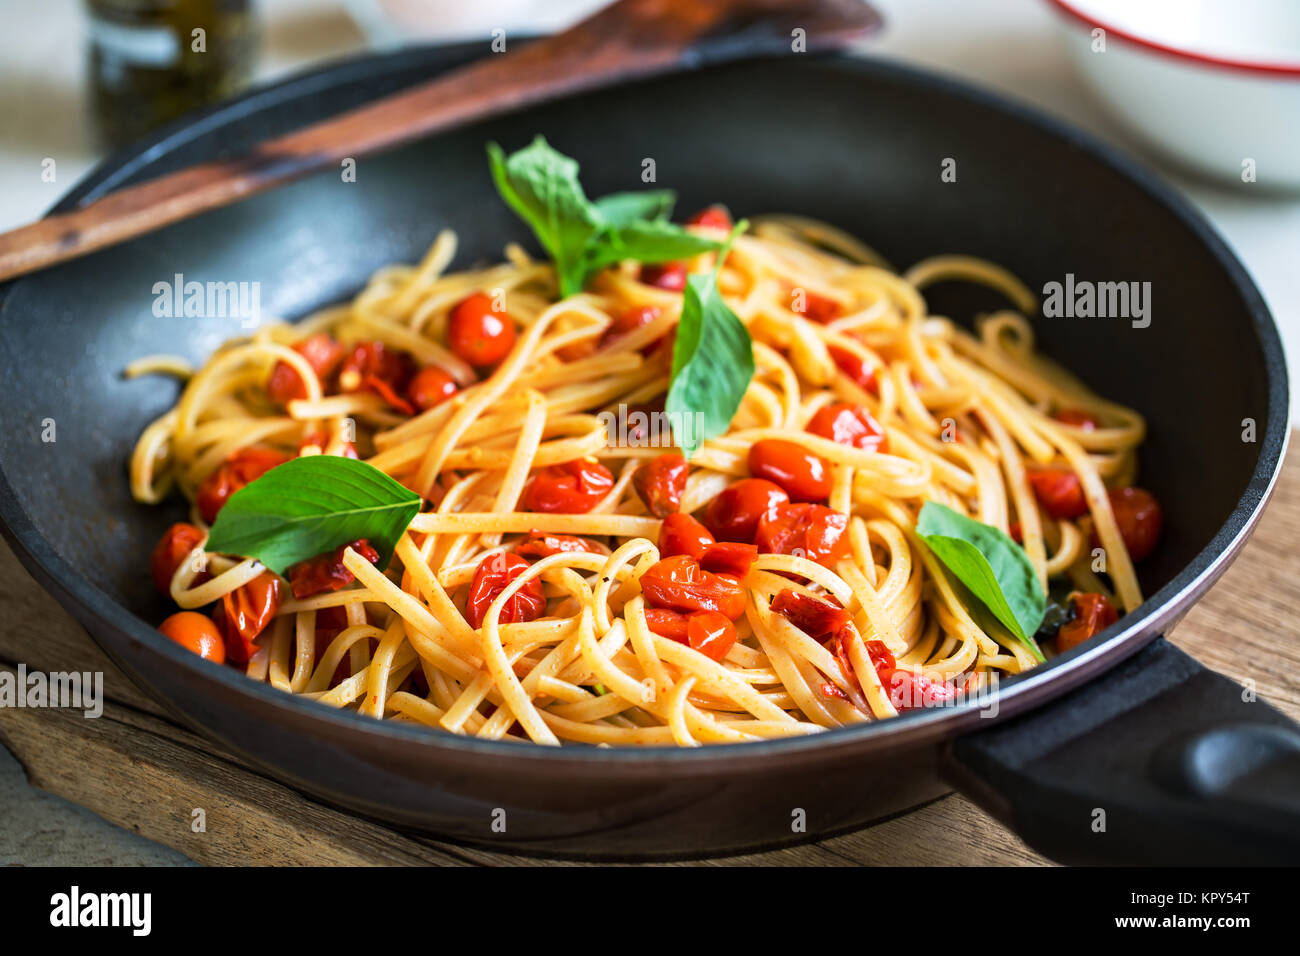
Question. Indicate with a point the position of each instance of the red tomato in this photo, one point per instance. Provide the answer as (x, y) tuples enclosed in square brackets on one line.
[(734, 514), (818, 308), (666, 623), (480, 334), (494, 573), (572, 487), (1077, 417), (811, 531), (803, 475), (1016, 533), (819, 618), (909, 690), (665, 275), (197, 633), (849, 425), (431, 386), (545, 545), (711, 634), (239, 469), (315, 443), (322, 353), (660, 483), (1138, 514), (680, 584), (245, 612), (729, 557), (855, 367), (373, 367), (172, 548), (1059, 491), (1093, 613), (629, 321), (326, 572), (682, 534), (714, 217)]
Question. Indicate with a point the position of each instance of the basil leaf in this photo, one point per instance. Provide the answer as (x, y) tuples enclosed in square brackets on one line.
[(647, 241), (620, 209), (713, 361), (993, 568), (311, 505)]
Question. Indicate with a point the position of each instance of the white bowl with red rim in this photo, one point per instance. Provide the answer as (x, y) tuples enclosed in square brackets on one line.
[(1212, 83)]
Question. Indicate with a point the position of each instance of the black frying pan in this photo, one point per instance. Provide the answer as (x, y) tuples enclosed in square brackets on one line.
[(1183, 769)]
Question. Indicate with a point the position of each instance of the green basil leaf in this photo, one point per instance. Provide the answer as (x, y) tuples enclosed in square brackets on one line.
[(311, 505), (647, 241), (620, 209), (713, 361), (993, 568)]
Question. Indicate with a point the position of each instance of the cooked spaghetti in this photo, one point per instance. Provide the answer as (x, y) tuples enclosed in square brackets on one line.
[(533, 596)]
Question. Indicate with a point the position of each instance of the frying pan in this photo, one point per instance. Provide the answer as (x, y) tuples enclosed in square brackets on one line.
[(1122, 750)]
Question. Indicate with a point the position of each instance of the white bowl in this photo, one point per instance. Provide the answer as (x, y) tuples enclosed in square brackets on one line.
[(1213, 83)]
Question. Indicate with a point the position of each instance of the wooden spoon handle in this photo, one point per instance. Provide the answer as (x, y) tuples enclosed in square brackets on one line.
[(626, 40)]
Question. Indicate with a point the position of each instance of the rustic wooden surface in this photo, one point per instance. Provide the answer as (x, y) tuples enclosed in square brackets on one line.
[(138, 769)]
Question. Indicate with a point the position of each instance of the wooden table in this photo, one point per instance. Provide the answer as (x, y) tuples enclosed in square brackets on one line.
[(137, 768)]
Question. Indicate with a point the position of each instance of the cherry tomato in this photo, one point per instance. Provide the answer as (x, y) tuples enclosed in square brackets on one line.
[(818, 308), (680, 584), (734, 514), (374, 367), (660, 483), (172, 548), (682, 534), (1059, 491), (315, 443), (494, 573), (909, 690), (1093, 613), (572, 487), (245, 612), (713, 217), (665, 275), (244, 466), (811, 531), (196, 632), (729, 557), (819, 618), (849, 425), (667, 623), (803, 475), (431, 386), (322, 353), (481, 334), (1078, 417), (326, 572), (855, 367), (629, 321), (1138, 514), (711, 634), (545, 545)]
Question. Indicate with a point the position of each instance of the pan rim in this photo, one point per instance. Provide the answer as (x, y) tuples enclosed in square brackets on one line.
[(1016, 695)]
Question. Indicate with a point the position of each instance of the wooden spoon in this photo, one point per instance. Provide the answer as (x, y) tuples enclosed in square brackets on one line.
[(626, 40)]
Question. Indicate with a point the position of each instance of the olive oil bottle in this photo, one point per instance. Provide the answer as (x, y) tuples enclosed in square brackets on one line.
[(152, 60)]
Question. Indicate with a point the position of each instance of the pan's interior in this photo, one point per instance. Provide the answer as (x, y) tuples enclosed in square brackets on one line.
[(863, 149)]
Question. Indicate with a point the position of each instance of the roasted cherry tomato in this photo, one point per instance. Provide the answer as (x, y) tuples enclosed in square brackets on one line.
[(494, 573), (315, 443), (374, 367), (172, 548), (814, 532), (667, 623), (239, 469), (803, 475), (682, 534), (481, 334), (849, 425), (665, 275), (245, 612), (660, 483), (819, 618), (1138, 514), (1059, 491), (572, 487), (817, 308), (326, 572), (1077, 417), (322, 353), (858, 369), (544, 545), (1093, 613), (711, 634), (431, 386), (734, 514), (629, 321), (729, 557), (196, 632), (713, 217), (680, 584)]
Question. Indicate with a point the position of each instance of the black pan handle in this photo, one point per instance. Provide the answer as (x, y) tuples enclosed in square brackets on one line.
[(1162, 761)]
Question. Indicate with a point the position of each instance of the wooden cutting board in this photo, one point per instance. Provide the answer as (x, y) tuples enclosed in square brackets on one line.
[(137, 768)]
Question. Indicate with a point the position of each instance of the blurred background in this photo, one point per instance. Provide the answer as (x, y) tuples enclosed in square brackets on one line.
[(1207, 92)]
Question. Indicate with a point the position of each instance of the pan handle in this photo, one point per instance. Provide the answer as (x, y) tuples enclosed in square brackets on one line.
[(1162, 761)]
